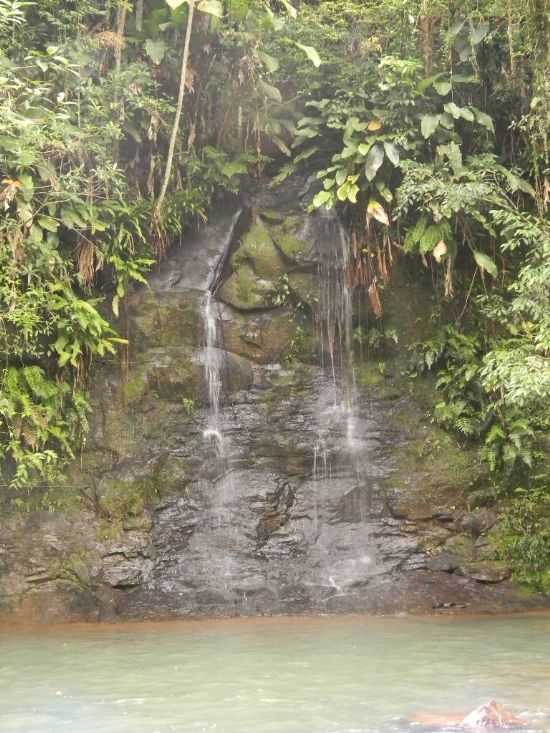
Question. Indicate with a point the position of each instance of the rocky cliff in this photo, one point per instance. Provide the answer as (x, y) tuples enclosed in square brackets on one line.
[(315, 491)]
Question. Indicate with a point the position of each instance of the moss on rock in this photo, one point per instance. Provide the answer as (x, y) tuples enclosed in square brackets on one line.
[(245, 291), (258, 251)]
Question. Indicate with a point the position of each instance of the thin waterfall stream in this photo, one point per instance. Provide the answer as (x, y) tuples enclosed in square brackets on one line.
[(334, 320)]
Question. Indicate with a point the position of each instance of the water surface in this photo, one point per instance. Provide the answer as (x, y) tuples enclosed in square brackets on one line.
[(321, 675)]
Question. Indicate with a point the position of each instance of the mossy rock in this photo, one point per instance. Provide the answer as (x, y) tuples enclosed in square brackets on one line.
[(258, 252), (304, 287), (164, 319), (127, 497), (135, 387), (461, 546), (486, 571), (264, 338), (244, 290), (286, 236)]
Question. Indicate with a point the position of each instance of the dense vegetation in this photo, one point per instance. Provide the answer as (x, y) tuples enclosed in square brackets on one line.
[(426, 122)]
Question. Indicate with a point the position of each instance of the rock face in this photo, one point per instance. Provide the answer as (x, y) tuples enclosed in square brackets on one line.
[(311, 496)]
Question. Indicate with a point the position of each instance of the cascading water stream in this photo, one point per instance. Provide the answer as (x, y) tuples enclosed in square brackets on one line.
[(334, 325), (213, 363), (213, 354)]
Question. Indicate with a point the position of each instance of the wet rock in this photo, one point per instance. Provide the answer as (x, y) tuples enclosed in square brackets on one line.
[(258, 251), (486, 571), (461, 546), (292, 239), (444, 562), (244, 291), (298, 505), (491, 715), (262, 338)]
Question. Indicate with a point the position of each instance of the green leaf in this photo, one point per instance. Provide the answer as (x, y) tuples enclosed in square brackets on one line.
[(459, 112), (478, 33), (155, 50), (384, 191), (452, 109), (305, 154), (47, 223), (341, 176), (352, 193), (271, 92), (392, 151), (484, 120), (454, 154), (290, 9), (455, 29), (322, 198), (375, 158), (442, 87), (270, 62), (414, 235), (446, 121), (349, 151), (212, 7), (428, 125), (283, 147), (311, 53), (342, 192), (484, 262), (518, 184)]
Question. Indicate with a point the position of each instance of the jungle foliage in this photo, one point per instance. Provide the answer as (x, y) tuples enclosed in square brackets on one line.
[(425, 122)]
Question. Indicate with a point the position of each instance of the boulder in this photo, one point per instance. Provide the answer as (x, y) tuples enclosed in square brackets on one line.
[(258, 251), (245, 291), (486, 571)]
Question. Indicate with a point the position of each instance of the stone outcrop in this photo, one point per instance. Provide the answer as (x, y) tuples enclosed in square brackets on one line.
[(311, 507)]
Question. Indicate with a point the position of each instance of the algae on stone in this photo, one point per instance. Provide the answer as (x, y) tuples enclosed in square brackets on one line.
[(245, 291), (259, 253)]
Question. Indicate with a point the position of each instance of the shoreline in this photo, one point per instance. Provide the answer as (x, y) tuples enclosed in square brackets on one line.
[(198, 622)]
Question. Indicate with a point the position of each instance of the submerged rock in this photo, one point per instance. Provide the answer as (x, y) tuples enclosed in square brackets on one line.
[(491, 715)]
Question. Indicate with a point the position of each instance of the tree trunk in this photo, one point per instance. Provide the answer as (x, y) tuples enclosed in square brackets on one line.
[(120, 25), (139, 16), (179, 107)]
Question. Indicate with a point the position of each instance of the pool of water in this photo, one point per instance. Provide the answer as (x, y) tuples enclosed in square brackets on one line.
[(319, 675)]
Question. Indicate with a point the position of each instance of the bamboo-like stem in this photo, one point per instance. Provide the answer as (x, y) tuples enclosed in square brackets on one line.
[(177, 117)]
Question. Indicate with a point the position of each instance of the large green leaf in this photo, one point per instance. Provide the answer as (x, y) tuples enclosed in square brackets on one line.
[(290, 9), (311, 53), (484, 119), (155, 50), (322, 199), (428, 125), (442, 87), (478, 33), (272, 93), (375, 158), (270, 62), (212, 7), (484, 262), (392, 152), (458, 112)]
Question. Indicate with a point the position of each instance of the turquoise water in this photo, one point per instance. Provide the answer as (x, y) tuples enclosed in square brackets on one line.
[(321, 675)]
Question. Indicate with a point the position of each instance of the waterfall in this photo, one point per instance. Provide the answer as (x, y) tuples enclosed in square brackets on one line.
[(334, 320), (213, 364), (213, 354)]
